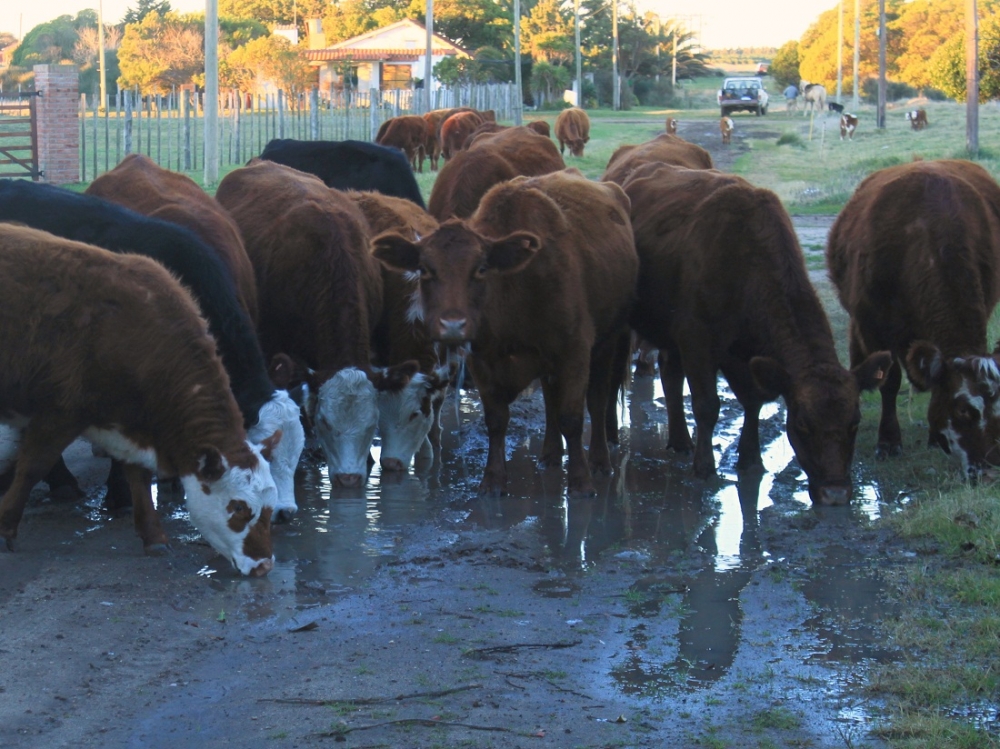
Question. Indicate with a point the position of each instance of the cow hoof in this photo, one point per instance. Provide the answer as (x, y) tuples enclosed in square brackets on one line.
[(284, 515), (750, 465), (157, 550), (545, 464), (491, 489), (582, 492), (883, 451)]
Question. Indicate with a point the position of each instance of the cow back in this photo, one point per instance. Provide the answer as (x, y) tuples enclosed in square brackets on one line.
[(663, 149)]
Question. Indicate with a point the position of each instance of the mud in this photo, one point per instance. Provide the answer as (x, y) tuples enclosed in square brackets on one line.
[(666, 611)]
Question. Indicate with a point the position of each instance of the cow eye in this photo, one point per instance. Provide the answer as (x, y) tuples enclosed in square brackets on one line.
[(967, 412), (414, 415), (482, 270), (426, 272)]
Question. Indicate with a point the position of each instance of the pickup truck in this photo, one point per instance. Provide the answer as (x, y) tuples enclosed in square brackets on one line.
[(743, 93)]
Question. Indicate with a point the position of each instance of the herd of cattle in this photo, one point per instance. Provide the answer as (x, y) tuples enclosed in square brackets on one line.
[(315, 298)]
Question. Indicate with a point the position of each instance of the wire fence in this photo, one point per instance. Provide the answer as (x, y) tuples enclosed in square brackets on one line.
[(170, 128)]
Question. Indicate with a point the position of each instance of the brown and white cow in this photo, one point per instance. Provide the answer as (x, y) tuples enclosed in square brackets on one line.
[(915, 257), (848, 124), (492, 158), (726, 127), (573, 130), (408, 133), (723, 286), (320, 293), (671, 126), (917, 118), (112, 347), (538, 281), (408, 416), (663, 149)]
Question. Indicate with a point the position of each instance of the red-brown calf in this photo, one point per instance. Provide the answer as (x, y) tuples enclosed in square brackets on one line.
[(573, 130)]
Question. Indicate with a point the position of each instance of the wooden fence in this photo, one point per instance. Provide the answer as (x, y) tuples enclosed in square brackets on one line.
[(170, 128)]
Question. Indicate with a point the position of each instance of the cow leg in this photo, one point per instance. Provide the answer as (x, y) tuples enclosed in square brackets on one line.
[(620, 365), (890, 438), (63, 486), (147, 522), (741, 381), (496, 414), (705, 404), (119, 494), (672, 379), (599, 389), (41, 446), (552, 445), (572, 396)]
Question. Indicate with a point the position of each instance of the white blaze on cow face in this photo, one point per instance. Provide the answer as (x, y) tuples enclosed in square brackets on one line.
[(281, 413), (345, 419), (233, 513), (405, 417)]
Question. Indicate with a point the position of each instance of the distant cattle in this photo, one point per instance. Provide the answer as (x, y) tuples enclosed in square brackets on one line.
[(723, 286), (348, 165), (112, 348), (408, 133), (726, 127), (573, 130), (915, 257), (266, 410), (490, 160), (455, 131), (407, 416), (663, 149), (917, 118), (320, 293), (814, 96), (848, 124), (671, 126), (539, 281)]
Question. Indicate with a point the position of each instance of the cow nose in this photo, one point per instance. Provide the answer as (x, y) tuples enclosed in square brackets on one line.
[(262, 569), (392, 464), (453, 329), (347, 479), (284, 515), (834, 496)]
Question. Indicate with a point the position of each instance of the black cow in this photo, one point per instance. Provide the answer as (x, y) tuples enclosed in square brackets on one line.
[(349, 165), (85, 218)]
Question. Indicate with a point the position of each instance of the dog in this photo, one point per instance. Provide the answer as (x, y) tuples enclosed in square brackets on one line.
[(835, 107)]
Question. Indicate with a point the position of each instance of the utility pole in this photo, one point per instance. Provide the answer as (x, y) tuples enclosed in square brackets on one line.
[(616, 97), (428, 55), (211, 93), (518, 90), (102, 70), (857, 52), (673, 71), (840, 49), (971, 78), (579, 59), (880, 114)]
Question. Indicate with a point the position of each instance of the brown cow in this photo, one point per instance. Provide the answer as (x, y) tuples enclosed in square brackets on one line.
[(671, 126), (915, 257), (917, 118), (141, 184), (408, 416), (663, 149), (408, 133), (493, 158), (320, 294), (456, 130), (848, 124), (539, 281), (573, 130), (112, 348), (540, 126), (723, 286), (726, 127)]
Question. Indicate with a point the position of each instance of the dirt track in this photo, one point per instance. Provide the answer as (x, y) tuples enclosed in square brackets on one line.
[(664, 612)]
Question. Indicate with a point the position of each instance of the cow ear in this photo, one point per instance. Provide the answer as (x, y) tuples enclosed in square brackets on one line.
[(268, 445), (871, 373), (396, 252), (770, 377), (284, 372), (512, 253), (211, 464), (925, 366), (394, 378)]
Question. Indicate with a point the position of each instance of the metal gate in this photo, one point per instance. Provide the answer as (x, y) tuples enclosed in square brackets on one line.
[(19, 136)]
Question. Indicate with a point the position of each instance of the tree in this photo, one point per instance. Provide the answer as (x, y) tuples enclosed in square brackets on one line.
[(784, 68), (549, 81), (162, 52), (947, 65), (350, 18), (86, 56), (268, 58), (273, 11), (143, 9), (471, 24), (52, 41), (547, 33)]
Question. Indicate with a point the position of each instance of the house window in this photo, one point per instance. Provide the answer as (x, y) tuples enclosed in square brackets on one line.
[(396, 76)]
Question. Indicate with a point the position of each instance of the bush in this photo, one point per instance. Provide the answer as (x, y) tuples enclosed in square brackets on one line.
[(791, 139), (653, 93), (893, 91)]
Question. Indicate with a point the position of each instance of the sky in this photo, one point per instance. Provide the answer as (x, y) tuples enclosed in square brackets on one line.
[(721, 23)]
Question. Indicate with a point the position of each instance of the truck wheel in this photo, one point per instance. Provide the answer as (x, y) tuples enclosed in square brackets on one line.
[(722, 111), (757, 111), (763, 111)]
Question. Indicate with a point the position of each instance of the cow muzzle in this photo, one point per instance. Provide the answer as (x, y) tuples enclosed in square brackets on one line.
[(392, 464), (350, 480), (452, 330), (830, 495), (262, 568)]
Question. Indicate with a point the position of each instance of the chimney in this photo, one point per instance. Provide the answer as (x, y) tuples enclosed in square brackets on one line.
[(314, 28)]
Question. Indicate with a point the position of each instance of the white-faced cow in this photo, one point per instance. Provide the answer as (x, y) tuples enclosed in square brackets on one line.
[(723, 286), (538, 281), (112, 347), (320, 293), (848, 124), (915, 257)]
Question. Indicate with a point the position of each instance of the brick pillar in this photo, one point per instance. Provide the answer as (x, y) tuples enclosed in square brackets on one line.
[(58, 123)]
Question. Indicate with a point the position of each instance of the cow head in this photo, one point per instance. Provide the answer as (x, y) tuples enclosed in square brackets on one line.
[(823, 418), (406, 414), (343, 409), (280, 416), (231, 500), (455, 265), (964, 413)]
